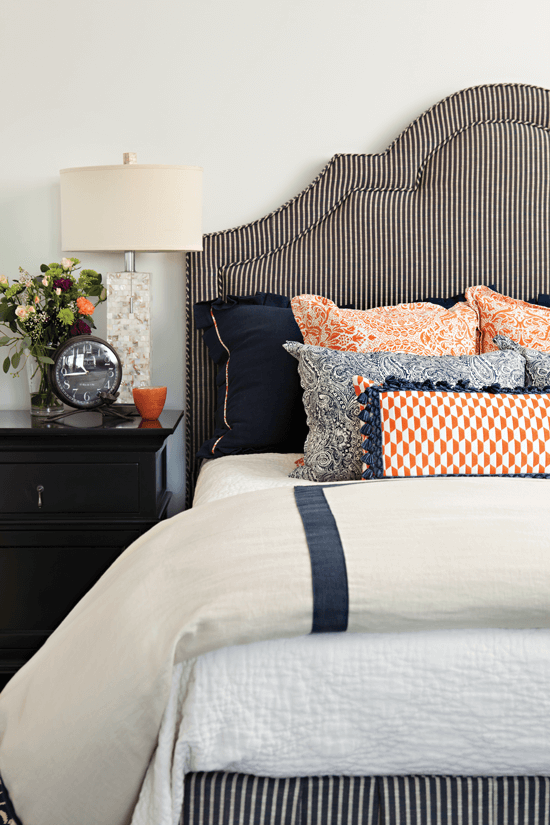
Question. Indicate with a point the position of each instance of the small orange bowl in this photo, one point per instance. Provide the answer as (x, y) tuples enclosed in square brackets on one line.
[(147, 424), (149, 401)]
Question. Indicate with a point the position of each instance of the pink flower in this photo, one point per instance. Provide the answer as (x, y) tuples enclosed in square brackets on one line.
[(36, 299), (58, 291), (24, 311), (3, 280), (67, 264), (45, 281)]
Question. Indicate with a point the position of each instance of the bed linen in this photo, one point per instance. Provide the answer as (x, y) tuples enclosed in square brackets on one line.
[(80, 722), (234, 474), (537, 362), (417, 328), (452, 702)]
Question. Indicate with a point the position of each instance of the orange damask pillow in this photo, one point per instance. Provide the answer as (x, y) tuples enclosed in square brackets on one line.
[(527, 324), (419, 329)]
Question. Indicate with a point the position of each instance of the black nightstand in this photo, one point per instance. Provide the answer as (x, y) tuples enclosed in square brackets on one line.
[(73, 496)]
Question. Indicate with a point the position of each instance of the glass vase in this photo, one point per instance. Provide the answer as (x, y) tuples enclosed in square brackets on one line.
[(44, 401)]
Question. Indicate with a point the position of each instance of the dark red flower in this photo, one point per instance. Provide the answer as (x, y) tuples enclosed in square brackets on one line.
[(80, 328), (62, 283)]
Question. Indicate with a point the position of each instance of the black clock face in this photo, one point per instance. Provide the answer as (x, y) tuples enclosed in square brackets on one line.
[(83, 367)]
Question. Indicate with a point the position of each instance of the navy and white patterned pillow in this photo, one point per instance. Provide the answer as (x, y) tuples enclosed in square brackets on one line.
[(333, 448), (537, 362)]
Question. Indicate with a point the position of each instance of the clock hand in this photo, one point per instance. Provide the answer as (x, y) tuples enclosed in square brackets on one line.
[(77, 373)]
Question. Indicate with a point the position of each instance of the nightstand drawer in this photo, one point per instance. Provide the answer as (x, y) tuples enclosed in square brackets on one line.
[(69, 488)]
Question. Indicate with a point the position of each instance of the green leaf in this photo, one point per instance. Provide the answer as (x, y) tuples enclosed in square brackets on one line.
[(6, 312), (27, 341), (44, 359), (44, 267), (6, 364), (4, 340), (15, 359)]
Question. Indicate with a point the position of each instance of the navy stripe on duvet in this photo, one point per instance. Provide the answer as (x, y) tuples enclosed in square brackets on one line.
[(328, 563), (7, 813)]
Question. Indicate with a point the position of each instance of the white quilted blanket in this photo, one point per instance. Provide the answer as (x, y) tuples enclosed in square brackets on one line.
[(470, 702)]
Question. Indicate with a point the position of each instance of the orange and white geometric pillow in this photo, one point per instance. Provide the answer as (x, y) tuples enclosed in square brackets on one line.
[(527, 324), (361, 385), (419, 432), (418, 329)]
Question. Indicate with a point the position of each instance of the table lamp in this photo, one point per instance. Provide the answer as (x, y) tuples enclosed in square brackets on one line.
[(131, 208)]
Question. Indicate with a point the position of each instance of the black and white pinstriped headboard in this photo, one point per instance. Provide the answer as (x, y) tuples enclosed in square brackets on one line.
[(461, 197)]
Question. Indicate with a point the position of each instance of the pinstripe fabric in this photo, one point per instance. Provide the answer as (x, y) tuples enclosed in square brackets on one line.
[(449, 800), (238, 799), (461, 197)]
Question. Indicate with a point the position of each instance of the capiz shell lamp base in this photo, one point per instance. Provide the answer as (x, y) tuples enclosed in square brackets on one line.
[(130, 331)]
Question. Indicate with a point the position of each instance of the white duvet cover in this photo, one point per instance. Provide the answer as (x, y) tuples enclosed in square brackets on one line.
[(470, 702)]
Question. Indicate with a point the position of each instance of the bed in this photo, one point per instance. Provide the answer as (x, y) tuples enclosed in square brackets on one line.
[(213, 701)]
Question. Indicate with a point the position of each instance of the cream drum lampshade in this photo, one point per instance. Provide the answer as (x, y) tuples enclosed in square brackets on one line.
[(136, 207), (131, 208)]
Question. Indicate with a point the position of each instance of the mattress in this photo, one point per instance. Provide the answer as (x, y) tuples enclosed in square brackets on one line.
[(457, 702)]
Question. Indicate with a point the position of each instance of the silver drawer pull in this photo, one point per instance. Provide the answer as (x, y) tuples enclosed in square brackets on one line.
[(40, 490)]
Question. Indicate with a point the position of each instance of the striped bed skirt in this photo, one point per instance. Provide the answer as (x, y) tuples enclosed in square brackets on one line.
[(237, 799)]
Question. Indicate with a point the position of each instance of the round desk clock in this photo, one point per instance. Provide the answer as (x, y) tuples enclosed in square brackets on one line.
[(83, 367)]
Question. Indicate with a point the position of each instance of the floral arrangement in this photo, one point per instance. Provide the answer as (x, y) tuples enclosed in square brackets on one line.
[(45, 310)]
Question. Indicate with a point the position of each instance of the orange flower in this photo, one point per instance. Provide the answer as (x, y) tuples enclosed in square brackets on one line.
[(85, 307)]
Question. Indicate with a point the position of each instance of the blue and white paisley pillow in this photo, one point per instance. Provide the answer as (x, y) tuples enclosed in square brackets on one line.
[(333, 448), (537, 362)]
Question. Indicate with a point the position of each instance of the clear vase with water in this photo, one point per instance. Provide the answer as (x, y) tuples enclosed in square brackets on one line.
[(44, 401)]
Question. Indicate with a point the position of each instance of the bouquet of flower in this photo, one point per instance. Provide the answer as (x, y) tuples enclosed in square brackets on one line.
[(44, 311)]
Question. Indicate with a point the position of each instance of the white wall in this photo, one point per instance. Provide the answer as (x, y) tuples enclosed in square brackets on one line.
[(261, 93)]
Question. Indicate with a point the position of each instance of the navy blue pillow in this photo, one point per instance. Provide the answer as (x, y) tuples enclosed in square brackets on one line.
[(259, 397), (450, 302), (542, 300)]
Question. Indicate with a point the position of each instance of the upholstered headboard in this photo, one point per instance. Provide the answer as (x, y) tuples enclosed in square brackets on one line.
[(461, 197)]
